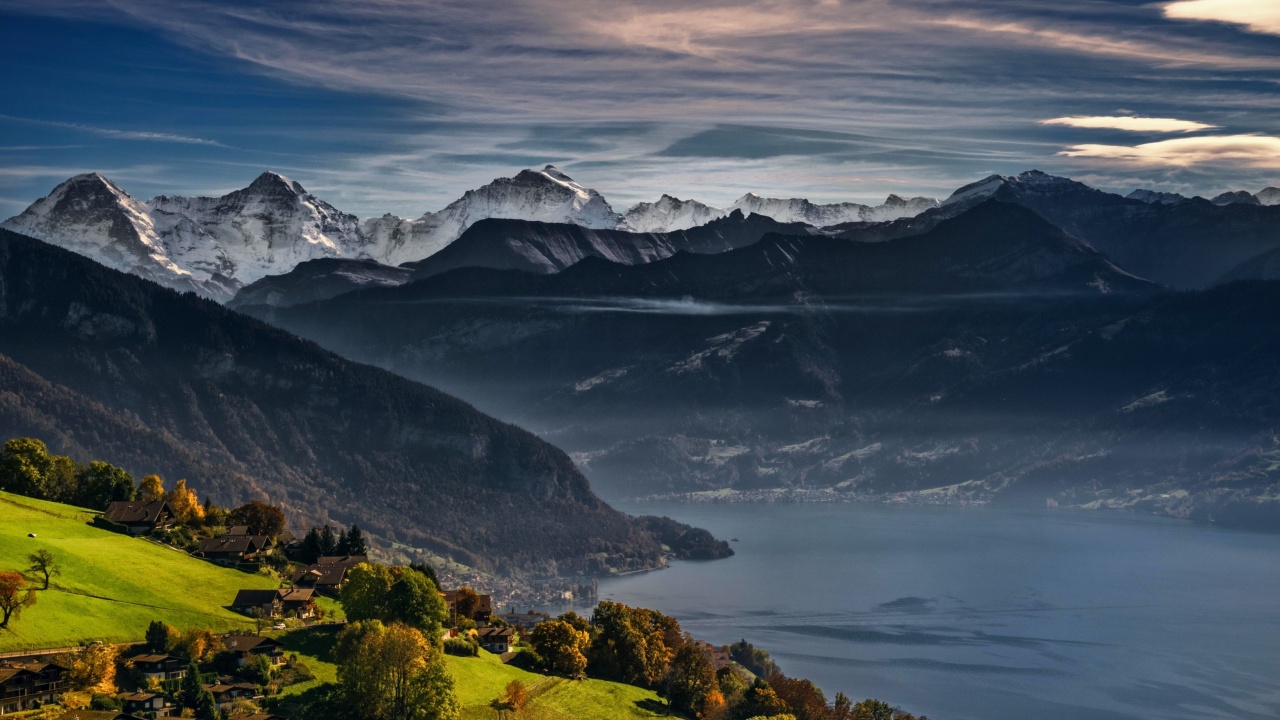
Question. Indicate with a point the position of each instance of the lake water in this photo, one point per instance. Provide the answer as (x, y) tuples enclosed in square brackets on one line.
[(976, 614)]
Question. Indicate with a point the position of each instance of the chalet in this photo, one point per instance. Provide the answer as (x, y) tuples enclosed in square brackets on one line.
[(484, 607), (328, 573), (245, 645), (29, 685), (226, 694), (159, 666), (298, 602), (262, 541), (231, 549), (140, 517), (145, 704), (526, 621), (496, 640)]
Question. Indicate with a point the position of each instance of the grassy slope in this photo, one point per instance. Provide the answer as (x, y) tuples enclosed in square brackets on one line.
[(480, 680), (111, 585)]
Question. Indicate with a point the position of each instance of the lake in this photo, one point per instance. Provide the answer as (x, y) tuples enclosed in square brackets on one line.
[(978, 614)]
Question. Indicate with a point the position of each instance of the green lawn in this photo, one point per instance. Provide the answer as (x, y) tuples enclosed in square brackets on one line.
[(112, 585), (479, 680)]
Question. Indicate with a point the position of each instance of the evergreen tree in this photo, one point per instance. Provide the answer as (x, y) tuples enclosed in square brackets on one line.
[(356, 545), (311, 546), (191, 689), (328, 542), (344, 548)]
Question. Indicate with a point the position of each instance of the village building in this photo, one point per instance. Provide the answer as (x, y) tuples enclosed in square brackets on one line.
[(159, 666), (226, 694), (294, 602), (231, 549), (28, 686), (496, 640), (245, 645), (328, 573), (140, 517), (145, 704), (484, 606)]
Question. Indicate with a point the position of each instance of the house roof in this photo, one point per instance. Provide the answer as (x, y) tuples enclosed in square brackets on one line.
[(138, 697), (486, 633), (351, 560), (296, 595), (248, 643), (255, 598), (136, 512), (7, 673), (151, 658), (230, 544)]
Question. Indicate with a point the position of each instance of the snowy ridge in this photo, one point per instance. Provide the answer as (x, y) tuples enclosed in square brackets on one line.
[(669, 214), (1153, 197)]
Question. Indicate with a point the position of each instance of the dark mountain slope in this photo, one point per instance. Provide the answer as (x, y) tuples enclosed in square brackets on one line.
[(540, 247), (118, 367), (319, 280)]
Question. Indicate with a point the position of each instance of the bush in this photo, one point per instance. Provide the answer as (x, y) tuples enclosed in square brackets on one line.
[(462, 647)]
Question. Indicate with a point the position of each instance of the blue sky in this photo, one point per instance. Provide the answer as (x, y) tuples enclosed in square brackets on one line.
[(400, 105)]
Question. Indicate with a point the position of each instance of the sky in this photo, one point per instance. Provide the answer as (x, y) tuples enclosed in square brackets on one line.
[(401, 105)]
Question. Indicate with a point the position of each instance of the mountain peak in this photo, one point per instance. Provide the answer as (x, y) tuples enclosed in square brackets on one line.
[(275, 182), (1236, 197)]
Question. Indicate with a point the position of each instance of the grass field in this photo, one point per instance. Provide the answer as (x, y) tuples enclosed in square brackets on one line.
[(481, 679), (111, 585)]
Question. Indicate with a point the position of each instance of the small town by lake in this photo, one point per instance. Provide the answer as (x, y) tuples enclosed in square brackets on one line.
[(981, 614)]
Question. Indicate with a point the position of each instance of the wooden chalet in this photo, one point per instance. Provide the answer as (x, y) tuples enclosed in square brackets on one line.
[(496, 640), (28, 686), (328, 573), (159, 666), (140, 517), (145, 704), (299, 602), (226, 694), (231, 549), (245, 645)]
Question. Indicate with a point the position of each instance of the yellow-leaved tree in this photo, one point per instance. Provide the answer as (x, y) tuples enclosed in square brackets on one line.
[(151, 488), (185, 505)]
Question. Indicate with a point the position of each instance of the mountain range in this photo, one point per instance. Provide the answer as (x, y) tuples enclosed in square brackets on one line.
[(101, 364)]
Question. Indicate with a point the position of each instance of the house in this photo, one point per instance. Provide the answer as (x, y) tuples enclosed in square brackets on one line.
[(526, 621), (496, 640), (155, 666), (144, 703), (328, 573), (231, 549), (484, 608), (299, 602), (262, 541), (245, 645), (27, 686), (140, 517), (226, 694)]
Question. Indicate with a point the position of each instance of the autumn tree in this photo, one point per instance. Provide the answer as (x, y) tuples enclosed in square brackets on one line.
[(93, 669), (762, 700), (392, 672), (872, 709), (689, 680), (466, 602), (14, 596), (151, 488), (43, 563), (259, 517), (632, 645), (185, 504), (561, 646), (806, 700)]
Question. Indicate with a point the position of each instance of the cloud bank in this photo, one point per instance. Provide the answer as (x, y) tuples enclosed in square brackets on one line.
[(1130, 124)]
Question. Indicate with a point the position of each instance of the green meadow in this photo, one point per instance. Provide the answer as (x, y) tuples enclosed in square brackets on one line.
[(111, 585)]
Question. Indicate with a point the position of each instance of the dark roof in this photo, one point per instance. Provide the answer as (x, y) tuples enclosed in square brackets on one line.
[(491, 632), (351, 560), (238, 530), (138, 696), (230, 544), (255, 598), (136, 512), (9, 672), (151, 658), (96, 715), (248, 643), (296, 595)]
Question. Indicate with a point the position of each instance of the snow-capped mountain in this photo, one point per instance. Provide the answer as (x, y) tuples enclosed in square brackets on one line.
[(90, 215), (1237, 197), (1155, 197), (546, 195), (264, 229), (1270, 196), (669, 214)]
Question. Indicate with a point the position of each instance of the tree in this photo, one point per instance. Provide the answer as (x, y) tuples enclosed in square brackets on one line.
[(872, 709), (633, 645), (311, 549), (356, 545), (45, 564), (101, 483), (466, 602), (805, 699), (93, 669), (61, 482), (561, 646), (184, 504), (760, 699), (689, 680), (328, 542), (343, 547), (393, 594), (425, 569), (515, 695), (160, 636), (191, 688), (392, 672), (259, 517), (14, 596), (24, 465), (151, 488)]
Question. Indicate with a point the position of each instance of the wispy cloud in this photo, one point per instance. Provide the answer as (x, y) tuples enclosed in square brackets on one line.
[(116, 133), (1129, 123), (1246, 151), (1260, 16)]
